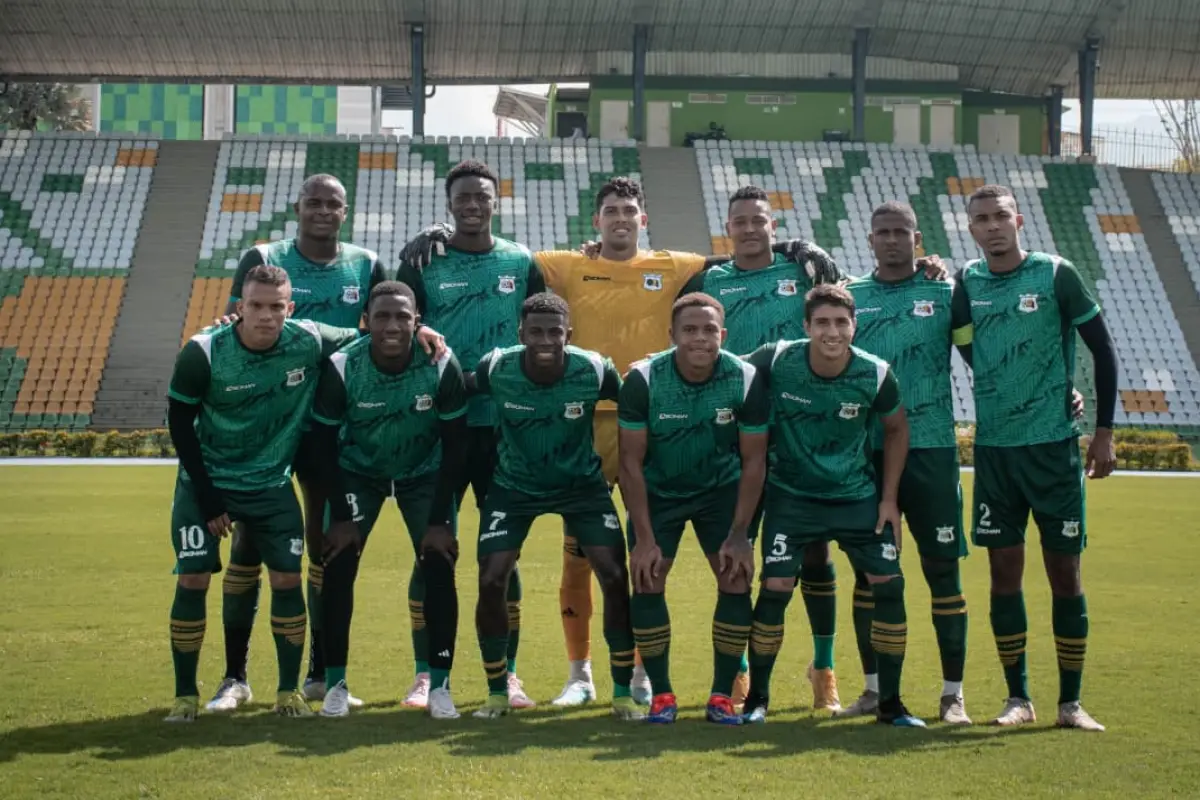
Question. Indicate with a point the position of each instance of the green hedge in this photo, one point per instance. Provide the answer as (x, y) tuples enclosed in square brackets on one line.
[(88, 444), (1137, 449)]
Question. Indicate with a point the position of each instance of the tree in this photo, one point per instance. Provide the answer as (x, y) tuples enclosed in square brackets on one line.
[(44, 106), (1181, 119)]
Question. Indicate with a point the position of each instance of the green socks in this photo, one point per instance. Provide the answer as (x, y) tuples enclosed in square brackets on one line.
[(1010, 627), (864, 613), (287, 628), (316, 653), (188, 620), (889, 636), (818, 586), (333, 675), (949, 615), (239, 603), (439, 678), (620, 657), (730, 635), (514, 618), (494, 650), (1070, 640), (652, 634), (416, 617), (766, 637)]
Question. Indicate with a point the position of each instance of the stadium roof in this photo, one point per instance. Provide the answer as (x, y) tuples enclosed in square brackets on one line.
[(1151, 48)]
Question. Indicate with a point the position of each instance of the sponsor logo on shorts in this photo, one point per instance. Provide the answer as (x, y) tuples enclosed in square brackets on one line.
[(922, 308), (297, 547), (492, 535), (732, 290), (786, 288), (779, 550), (350, 294), (611, 522), (192, 553), (1070, 529), (652, 281), (453, 285), (424, 402), (849, 410), (888, 551), (573, 411), (724, 416), (295, 377), (508, 284), (516, 407), (945, 534), (1028, 303)]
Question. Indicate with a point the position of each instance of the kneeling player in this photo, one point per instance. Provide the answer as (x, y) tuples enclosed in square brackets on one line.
[(390, 422), (545, 395), (825, 396), (693, 449)]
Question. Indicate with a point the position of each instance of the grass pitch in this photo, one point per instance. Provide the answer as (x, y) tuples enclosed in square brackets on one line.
[(85, 589)]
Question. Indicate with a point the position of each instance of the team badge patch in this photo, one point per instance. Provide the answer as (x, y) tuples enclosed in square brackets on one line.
[(508, 284), (295, 377), (945, 535), (1070, 529), (611, 522), (786, 288), (922, 308), (350, 294), (573, 411), (888, 551), (652, 281), (849, 411), (1028, 303), (424, 402), (297, 547), (724, 416)]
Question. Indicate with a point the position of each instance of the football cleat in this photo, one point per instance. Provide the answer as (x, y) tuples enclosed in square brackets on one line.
[(495, 707), (337, 701), (953, 711), (866, 705), (230, 694), (896, 715), (184, 709), (755, 712), (624, 708), (1072, 715), (1017, 711), (293, 704), (314, 690), (720, 710), (663, 709), (576, 692), (516, 693), (441, 705), (825, 689), (417, 695), (640, 686)]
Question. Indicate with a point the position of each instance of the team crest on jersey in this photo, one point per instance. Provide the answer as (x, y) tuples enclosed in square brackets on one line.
[(1028, 303), (1070, 529), (945, 535), (652, 281), (295, 377), (786, 288), (888, 551), (922, 308), (350, 294), (849, 410), (508, 284), (297, 546), (424, 402), (724, 416), (573, 411)]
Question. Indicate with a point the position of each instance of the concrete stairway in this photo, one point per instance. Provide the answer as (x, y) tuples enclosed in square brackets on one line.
[(674, 199)]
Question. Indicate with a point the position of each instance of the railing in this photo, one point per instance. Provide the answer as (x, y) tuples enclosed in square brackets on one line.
[(1129, 147)]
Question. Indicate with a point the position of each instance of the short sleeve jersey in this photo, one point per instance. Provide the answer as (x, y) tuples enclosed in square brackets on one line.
[(761, 305), (819, 425), (389, 422), (474, 300), (1022, 334), (692, 428), (546, 444), (333, 294), (907, 324), (253, 404)]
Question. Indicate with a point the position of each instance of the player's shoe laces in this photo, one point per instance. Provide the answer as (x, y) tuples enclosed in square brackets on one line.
[(624, 708), (516, 693), (230, 694), (496, 706), (417, 695), (825, 689), (640, 686), (953, 711), (314, 690), (741, 688), (337, 701), (866, 705), (895, 714), (1017, 711), (663, 709), (755, 711), (576, 692), (441, 705), (293, 704), (184, 709), (1072, 715), (720, 710)]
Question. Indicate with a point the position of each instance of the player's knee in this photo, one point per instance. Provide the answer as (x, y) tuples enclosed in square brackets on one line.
[(1063, 571), (341, 570), (437, 570), (195, 581), (1007, 566), (860, 580), (611, 572), (887, 587), (281, 581), (815, 555), (784, 585), (731, 585), (938, 568), (493, 578)]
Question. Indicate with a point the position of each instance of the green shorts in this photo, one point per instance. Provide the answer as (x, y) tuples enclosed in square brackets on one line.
[(270, 519), (930, 499), (414, 498), (711, 515), (790, 523), (588, 511), (1046, 479)]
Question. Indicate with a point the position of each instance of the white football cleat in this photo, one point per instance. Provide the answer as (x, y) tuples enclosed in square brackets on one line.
[(865, 706), (516, 693), (640, 687), (576, 692), (1017, 711), (337, 701), (952, 710), (417, 695), (1072, 715), (441, 705), (230, 694)]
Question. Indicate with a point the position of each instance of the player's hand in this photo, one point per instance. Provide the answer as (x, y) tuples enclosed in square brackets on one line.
[(341, 536), (933, 266), (220, 526), (418, 253), (1077, 405), (736, 557), (432, 342), (591, 249), (440, 540), (645, 564), (1101, 454), (889, 514), (818, 265)]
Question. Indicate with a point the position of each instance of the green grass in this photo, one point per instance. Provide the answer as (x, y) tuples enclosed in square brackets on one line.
[(85, 588)]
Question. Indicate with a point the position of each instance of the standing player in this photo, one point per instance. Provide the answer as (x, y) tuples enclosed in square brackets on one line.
[(391, 422), (1018, 311), (238, 400), (825, 398), (545, 395), (693, 449), (473, 292), (621, 305)]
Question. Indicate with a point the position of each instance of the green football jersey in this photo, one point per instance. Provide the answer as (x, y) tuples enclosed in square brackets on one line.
[(819, 426), (253, 405), (692, 428), (761, 305), (1022, 334), (333, 294), (546, 442), (389, 421), (907, 324), (474, 300)]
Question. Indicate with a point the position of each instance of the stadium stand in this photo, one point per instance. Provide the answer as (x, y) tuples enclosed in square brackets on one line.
[(70, 210), (1180, 197), (826, 191)]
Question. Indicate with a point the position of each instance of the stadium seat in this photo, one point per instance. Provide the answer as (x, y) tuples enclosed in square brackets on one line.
[(1179, 194)]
